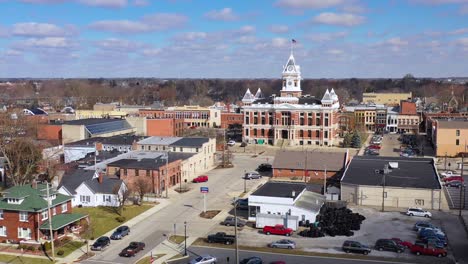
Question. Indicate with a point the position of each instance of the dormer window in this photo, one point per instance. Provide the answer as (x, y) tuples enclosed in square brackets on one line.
[(14, 200)]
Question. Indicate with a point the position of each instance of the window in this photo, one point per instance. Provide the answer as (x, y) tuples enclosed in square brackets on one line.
[(181, 149), (457, 142), (419, 202), (3, 231), (23, 216), (458, 132), (106, 198), (196, 150), (148, 173), (292, 170), (125, 172), (385, 194), (1, 214), (64, 207), (45, 215), (84, 199), (54, 211), (24, 233), (137, 172)]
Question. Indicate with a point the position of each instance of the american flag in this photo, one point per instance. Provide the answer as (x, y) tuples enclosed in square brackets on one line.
[(293, 41)]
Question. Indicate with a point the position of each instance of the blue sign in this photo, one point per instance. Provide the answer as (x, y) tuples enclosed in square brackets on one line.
[(204, 189)]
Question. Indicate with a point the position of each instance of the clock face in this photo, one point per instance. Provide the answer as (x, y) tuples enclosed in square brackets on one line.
[(290, 68), (289, 83)]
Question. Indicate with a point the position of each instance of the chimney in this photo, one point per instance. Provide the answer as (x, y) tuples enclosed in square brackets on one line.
[(34, 184), (293, 194), (100, 177)]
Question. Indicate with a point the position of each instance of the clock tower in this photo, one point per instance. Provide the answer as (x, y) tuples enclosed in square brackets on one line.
[(291, 79)]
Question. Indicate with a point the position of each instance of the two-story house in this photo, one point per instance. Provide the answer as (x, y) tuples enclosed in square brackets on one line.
[(24, 214)]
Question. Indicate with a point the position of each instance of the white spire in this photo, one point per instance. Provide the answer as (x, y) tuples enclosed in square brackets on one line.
[(248, 97), (258, 94)]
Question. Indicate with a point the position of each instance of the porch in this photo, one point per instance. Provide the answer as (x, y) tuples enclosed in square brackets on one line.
[(63, 225)]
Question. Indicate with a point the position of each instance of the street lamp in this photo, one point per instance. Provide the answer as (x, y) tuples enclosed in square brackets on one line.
[(245, 182), (185, 238), (236, 257)]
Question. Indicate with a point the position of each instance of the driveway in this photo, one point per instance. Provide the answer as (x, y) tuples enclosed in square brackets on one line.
[(224, 184)]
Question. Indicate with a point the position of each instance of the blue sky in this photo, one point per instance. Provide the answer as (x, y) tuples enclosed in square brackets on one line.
[(233, 39)]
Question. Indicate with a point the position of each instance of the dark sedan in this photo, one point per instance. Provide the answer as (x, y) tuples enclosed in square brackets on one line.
[(132, 249), (101, 243)]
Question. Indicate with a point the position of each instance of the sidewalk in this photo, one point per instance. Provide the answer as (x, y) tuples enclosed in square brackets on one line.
[(458, 238), (72, 257), (169, 250)]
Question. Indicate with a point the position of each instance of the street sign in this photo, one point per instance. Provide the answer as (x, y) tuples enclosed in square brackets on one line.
[(204, 189)]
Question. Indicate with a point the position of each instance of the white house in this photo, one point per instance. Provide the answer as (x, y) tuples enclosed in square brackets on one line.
[(91, 189), (284, 203)]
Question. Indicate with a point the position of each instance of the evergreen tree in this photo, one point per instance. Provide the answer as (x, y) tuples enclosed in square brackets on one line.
[(347, 140), (356, 141)]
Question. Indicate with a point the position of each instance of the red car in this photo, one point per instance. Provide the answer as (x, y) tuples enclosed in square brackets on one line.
[(132, 249), (453, 178), (374, 147), (201, 178), (424, 249), (277, 230), (406, 244)]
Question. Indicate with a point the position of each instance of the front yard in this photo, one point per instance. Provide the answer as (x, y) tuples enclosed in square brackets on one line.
[(22, 260), (103, 219)]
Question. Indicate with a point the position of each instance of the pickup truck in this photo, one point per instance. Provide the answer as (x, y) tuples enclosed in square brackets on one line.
[(221, 237), (448, 174), (277, 230)]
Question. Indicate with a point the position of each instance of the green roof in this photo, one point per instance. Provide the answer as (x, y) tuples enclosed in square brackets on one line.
[(33, 199), (61, 220)]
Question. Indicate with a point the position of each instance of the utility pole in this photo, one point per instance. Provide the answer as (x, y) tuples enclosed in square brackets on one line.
[(51, 234), (245, 181), (445, 164), (385, 171), (325, 181), (305, 167), (236, 258), (167, 174), (461, 186), (185, 238)]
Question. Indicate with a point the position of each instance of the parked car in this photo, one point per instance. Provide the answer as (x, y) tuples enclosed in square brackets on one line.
[(389, 245), (204, 259), (283, 243), (101, 243), (425, 236), (278, 262), (120, 232), (277, 230), (231, 143), (455, 184), (252, 175), (264, 167), (422, 224), (448, 174), (418, 212), (231, 221), (431, 241), (406, 244), (201, 178), (453, 178), (132, 249), (374, 147), (434, 230), (355, 247), (221, 237), (371, 152), (242, 204), (252, 260), (424, 249)]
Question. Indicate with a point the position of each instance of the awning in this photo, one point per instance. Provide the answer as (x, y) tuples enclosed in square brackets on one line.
[(61, 220)]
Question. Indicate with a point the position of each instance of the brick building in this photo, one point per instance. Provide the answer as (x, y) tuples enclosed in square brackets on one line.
[(231, 119), (24, 214), (291, 118), (166, 127), (309, 165)]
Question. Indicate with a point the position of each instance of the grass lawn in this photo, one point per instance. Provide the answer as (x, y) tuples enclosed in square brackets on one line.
[(69, 248), (176, 239), (102, 219), (22, 260), (146, 260)]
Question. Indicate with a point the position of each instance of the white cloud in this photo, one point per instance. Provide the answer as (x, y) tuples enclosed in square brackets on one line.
[(32, 29), (280, 42), (309, 4), (12, 52), (155, 22), (397, 41), (459, 31), (151, 52), (191, 36), (335, 52), (43, 1), (279, 29), (246, 30), (247, 39), (322, 36), (141, 3), (462, 41), (464, 10), (440, 2), (105, 3), (48, 42), (121, 45), (225, 14), (339, 19)]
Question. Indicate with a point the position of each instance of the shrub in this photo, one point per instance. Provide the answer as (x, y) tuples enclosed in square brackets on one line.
[(60, 253), (21, 246), (47, 246), (120, 219), (31, 248)]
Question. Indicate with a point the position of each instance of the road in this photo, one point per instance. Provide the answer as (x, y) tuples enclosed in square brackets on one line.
[(223, 185), (222, 254)]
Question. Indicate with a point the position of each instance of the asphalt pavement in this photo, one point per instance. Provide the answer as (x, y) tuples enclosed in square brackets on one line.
[(224, 184)]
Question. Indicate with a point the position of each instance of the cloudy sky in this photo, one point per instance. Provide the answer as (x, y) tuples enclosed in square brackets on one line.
[(233, 39)]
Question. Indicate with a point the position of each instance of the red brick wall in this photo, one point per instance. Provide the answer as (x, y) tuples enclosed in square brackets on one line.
[(160, 127), (287, 173), (49, 132), (231, 118)]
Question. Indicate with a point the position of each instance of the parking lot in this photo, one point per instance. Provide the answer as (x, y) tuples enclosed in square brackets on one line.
[(457, 196), (377, 225)]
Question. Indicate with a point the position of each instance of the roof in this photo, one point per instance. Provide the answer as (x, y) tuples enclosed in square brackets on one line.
[(72, 180), (310, 201), (332, 161), (114, 140), (106, 187), (158, 140), (279, 189), (411, 172), (190, 142), (33, 198), (408, 108), (452, 124), (90, 121), (97, 126), (61, 220), (149, 163)]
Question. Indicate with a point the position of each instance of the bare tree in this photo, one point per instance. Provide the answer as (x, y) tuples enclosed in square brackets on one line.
[(142, 187), (122, 195)]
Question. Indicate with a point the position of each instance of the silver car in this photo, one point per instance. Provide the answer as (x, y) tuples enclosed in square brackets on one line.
[(283, 243), (252, 175), (205, 259)]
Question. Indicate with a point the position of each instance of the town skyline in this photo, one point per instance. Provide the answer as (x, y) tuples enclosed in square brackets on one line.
[(187, 39)]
